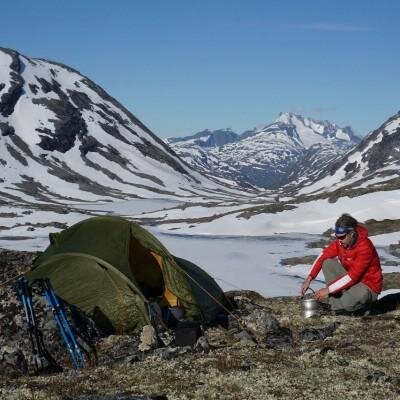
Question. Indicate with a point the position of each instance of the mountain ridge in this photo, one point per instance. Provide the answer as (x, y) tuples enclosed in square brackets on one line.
[(266, 156), (64, 137)]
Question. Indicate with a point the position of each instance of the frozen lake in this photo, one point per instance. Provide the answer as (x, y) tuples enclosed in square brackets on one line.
[(245, 262), (236, 262)]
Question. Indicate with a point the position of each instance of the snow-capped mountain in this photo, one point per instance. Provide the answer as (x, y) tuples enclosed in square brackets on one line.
[(63, 137), (208, 138), (364, 182), (313, 132), (285, 151), (373, 165)]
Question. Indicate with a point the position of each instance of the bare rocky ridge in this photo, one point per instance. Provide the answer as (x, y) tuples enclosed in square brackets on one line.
[(270, 352)]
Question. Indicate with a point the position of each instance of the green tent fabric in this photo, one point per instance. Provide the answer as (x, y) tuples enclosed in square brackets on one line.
[(210, 298), (110, 268)]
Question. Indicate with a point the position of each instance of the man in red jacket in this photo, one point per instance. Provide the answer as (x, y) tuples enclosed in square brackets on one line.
[(351, 268)]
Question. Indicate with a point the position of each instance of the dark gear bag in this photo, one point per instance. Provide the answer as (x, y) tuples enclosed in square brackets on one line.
[(187, 333)]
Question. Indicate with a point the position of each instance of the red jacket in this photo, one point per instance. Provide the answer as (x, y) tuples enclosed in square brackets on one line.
[(361, 262)]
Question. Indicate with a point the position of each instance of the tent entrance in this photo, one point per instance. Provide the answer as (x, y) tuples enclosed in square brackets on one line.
[(146, 267)]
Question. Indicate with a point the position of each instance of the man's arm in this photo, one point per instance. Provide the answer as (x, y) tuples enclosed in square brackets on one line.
[(328, 252)]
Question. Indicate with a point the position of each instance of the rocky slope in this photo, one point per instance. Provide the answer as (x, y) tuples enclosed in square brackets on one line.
[(373, 165), (63, 138), (291, 149), (267, 351)]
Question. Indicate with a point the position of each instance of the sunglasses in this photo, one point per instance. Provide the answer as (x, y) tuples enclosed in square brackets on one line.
[(342, 237)]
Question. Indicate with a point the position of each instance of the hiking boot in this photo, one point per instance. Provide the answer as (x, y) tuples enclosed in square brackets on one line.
[(343, 312), (361, 312)]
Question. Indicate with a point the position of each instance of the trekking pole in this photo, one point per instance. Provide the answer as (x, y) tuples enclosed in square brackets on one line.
[(32, 316), (67, 325), (39, 350), (23, 295), (63, 325), (61, 329)]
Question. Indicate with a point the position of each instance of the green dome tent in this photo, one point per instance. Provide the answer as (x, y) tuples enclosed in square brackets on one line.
[(110, 268)]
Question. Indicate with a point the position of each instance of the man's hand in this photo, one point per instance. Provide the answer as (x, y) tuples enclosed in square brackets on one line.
[(305, 286), (321, 293)]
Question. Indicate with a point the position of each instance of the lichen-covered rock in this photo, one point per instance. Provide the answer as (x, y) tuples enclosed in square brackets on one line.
[(12, 361), (245, 336), (148, 338), (261, 323), (319, 333), (118, 349), (202, 346), (266, 328)]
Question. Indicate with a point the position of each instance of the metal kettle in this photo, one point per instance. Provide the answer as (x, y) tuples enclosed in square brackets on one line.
[(309, 306)]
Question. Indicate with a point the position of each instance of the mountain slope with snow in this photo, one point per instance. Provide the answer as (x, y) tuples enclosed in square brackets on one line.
[(207, 138), (285, 151), (373, 165), (364, 182), (63, 137)]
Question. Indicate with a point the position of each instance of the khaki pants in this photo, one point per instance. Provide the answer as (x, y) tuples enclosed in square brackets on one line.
[(351, 299)]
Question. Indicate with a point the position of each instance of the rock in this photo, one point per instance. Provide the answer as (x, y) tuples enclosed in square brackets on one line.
[(310, 334), (202, 346), (12, 361), (244, 339), (261, 323), (148, 338), (245, 305), (139, 356), (6, 129), (170, 353), (264, 327), (244, 336), (394, 249), (9, 99), (119, 349), (166, 337), (281, 338)]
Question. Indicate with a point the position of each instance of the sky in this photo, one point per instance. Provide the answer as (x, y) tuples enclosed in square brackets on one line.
[(182, 66)]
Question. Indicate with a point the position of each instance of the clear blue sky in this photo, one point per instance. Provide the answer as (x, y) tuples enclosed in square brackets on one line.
[(184, 65)]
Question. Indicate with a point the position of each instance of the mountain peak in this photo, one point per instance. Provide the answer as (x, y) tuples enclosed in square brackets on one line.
[(312, 131), (208, 138), (287, 117)]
